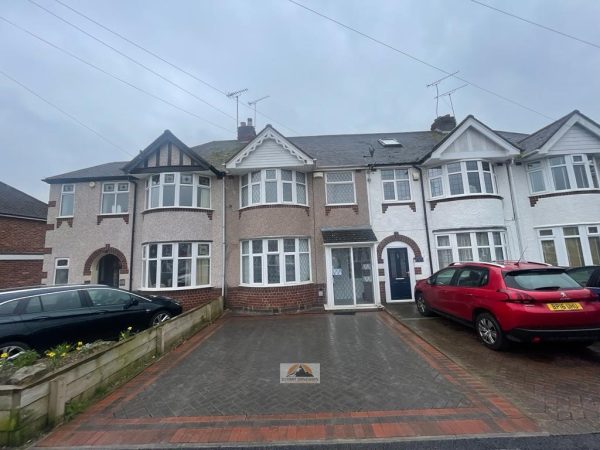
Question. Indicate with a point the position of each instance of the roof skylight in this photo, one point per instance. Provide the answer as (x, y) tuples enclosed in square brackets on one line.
[(390, 142)]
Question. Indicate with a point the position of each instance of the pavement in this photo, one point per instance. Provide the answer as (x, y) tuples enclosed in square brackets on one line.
[(379, 382), (557, 386)]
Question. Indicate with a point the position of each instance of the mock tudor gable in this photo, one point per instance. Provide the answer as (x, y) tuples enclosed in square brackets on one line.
[(472, 139), (269, 149)]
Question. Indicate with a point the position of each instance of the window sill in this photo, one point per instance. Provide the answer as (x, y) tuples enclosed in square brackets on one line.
[(184, 288), (278, 285), (209, 212), (274, 205), (385, 205), (533, 199), (101, 217), (433, 202), (352, 206)]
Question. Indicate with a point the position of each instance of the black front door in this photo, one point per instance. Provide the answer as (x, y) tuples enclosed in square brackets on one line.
[(399, 274), (108, 270)]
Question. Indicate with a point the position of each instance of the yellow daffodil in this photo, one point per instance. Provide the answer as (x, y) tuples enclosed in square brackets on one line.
[(80, 344), (63, 354), (51, 354), (4, 355)]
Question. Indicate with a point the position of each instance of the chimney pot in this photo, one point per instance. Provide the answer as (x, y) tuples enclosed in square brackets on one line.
[(246, 132), (242, 124), (249, 121)]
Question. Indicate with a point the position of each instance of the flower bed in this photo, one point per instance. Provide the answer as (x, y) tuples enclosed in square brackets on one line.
[(28, 409)]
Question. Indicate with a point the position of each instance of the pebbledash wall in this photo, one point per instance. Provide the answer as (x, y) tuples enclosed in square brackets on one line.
[(21, 251)]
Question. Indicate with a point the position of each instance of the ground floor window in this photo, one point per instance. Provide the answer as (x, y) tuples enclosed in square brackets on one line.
[(572, 245), (275, 261), (61, 271), (176, 265), (484, 246)]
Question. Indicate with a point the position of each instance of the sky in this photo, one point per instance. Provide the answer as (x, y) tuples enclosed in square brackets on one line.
[(320, 77)]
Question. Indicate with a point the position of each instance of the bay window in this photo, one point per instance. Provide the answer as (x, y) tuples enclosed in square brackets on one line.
[(67, 200), (562, 173), (115, 198), (269, 186), (461, 178), (184, 190), (276, 261), (573, 245), (396, 185), (176, 265), (339, 188), (482, 246)]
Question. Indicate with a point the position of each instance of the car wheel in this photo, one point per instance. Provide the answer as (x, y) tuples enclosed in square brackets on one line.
[(422, 306), (13, 349), (489, 332), (159, 317)]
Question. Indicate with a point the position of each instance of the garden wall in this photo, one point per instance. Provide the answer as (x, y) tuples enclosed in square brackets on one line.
[(27, 410)]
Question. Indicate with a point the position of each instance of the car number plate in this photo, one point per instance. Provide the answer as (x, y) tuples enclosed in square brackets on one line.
[(572, 306)]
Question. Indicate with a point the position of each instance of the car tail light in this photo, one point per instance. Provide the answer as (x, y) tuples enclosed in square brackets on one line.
[(517, 297), (594, 296)]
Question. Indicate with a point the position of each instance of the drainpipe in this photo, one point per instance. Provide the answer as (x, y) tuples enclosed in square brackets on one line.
[(515, 208), (133, 214), (424, 206), (223, 265)]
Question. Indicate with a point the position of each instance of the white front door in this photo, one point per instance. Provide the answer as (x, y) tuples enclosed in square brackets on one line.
[(350, 281)]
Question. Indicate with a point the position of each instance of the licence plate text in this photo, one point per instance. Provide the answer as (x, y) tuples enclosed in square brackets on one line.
[(571, 306)]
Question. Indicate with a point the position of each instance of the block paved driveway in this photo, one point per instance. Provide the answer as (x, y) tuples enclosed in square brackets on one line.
[(556, 385), (378, 380)]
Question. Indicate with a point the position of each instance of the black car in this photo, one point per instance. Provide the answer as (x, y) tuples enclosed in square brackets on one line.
[(45, 316), (587, 276)]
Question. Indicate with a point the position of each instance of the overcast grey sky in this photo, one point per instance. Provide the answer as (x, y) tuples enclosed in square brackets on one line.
[(322, 78)]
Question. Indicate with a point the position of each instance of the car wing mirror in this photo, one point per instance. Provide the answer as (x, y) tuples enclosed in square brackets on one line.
[(430, 281), (132, 302)]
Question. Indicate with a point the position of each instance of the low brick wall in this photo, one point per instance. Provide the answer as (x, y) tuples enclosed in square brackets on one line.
[(190, 298), (27, 410), (275, 299)]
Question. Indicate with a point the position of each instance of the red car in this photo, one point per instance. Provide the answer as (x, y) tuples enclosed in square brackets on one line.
[(513, 301)]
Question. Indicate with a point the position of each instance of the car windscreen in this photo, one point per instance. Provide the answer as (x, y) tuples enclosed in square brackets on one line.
[(540, 280)]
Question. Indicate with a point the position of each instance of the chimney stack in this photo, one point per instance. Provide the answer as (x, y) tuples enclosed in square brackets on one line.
[(444, 124), (246, 132)]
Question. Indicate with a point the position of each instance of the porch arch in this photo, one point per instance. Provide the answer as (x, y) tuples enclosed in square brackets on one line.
[(106, 250), (396, 237)]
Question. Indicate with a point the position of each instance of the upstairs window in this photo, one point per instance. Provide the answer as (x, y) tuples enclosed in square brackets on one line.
[(396, 185), (183, 190), (115, 198), (340, 188), (270, 186), (461, 178), (562, 173), (67, 198)]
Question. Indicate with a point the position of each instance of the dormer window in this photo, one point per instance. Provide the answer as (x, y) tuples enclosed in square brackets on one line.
[(389, 142), (562, 173), (272, 186), (178, 190)]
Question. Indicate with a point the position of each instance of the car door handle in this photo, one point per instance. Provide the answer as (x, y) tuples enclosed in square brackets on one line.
[(103, 311), (399, 278), (42, 318)]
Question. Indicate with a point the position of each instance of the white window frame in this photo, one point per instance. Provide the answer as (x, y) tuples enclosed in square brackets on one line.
[(587, 160), (353, 181), (261, 186), (282, 267), (195, 256), (115, 193), (196, 185), (555, 233), (394, 181), (474, 247), (66, 267), (64, 193), (445, 177)]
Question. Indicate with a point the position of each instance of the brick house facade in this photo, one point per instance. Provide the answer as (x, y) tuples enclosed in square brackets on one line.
[(22, 234)]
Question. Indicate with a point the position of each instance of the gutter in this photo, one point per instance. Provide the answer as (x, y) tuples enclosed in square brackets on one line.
[(424, 205), (132, 234), (224, 247)]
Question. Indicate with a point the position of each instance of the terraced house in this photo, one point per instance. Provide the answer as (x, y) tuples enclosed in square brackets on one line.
[(279, 223)]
